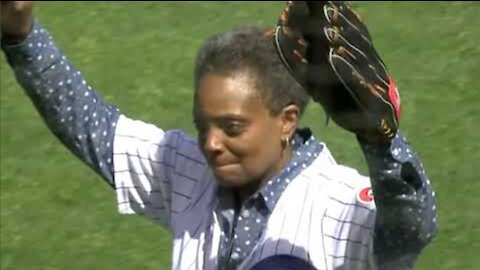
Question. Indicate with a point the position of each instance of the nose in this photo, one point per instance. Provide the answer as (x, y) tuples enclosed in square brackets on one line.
[(212, 142)]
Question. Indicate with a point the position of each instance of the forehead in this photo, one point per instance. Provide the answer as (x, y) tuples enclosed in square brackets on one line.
[(219, 94)]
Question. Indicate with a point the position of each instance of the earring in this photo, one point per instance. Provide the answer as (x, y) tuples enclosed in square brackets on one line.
[(285, 142)]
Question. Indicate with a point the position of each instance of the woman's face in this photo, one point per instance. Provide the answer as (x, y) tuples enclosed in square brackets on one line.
[(240, 138)]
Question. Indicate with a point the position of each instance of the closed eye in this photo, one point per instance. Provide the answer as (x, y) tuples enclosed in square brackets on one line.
[(230, 126), (233, 128)]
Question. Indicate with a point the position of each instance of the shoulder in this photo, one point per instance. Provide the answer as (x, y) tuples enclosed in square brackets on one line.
[(339, 182), (138, 132)]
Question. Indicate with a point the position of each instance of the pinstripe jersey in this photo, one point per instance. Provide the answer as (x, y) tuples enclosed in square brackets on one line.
[(164, 176), (324, 215), (319, 217)]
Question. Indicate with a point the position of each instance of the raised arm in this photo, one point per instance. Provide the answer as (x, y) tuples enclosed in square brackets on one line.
[(328, 48), (406, 219), (75, 113), (155, 173)]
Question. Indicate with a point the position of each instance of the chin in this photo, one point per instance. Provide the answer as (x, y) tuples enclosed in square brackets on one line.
[(230, 176), (232, 181)]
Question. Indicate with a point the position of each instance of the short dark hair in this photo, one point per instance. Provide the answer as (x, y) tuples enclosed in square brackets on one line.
[(251, 49)]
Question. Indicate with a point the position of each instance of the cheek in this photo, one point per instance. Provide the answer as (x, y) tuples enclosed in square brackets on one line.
[(261, 152)]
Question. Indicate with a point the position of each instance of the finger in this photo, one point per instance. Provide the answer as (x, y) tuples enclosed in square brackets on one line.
[(365, 59), (292, 54), (296, 15), (353, 79), (348, 35), (340, 13), (369, 96)]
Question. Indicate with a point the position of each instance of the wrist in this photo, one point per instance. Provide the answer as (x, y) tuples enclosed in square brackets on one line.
[(17, 37), (379, 145)]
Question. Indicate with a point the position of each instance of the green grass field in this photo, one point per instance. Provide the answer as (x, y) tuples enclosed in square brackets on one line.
[(57, 214)]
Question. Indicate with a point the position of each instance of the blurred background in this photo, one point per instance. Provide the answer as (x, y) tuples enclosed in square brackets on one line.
[(57, 214)]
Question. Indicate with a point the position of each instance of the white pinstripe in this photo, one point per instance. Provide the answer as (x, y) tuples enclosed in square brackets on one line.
[(164, 176)]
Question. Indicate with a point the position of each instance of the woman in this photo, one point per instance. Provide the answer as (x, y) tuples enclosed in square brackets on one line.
[(253, 185)]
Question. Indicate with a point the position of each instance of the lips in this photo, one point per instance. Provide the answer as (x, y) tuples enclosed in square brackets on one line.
[(220, 161), (221, 165), (225, 171)]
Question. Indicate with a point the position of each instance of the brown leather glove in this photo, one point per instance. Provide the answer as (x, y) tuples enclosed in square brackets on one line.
[(328, 49)]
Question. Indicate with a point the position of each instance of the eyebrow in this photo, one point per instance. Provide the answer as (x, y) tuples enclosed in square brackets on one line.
[(231, 116), (223, 117)]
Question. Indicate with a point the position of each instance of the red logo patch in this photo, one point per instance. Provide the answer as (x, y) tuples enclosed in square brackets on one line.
[(365, 195), (394, 97)]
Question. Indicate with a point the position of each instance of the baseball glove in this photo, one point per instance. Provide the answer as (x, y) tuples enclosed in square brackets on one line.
[(328, 49)]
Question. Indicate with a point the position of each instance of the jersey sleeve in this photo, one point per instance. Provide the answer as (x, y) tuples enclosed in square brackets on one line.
[(154, 172), (157, 173), (406, 218), (72, 110)]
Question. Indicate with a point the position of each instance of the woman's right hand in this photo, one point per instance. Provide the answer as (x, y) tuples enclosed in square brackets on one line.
[(16, 19)]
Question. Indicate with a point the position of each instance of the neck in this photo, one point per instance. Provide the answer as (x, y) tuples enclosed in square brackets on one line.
[(244, 193)]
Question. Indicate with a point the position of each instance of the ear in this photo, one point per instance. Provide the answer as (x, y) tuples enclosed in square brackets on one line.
[(289, 117)]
